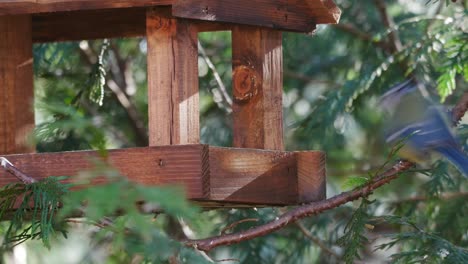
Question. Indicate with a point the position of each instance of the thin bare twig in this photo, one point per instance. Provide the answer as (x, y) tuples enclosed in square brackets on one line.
[(305, 78), (9, 167), (221, 86), (366, 37), (233, 225), (317, 241), (134, 116), (390, 24)]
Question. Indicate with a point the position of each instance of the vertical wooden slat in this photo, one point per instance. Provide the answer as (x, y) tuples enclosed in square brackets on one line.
[(257, 87), (172, 80), (16, 84)]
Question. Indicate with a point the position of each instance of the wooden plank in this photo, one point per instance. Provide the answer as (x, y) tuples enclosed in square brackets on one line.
[(16, 84), (89, 24), (311, 176), (10, 7), (253, 176), (172, 80), (102, 23), (295, 15), (213, 176), (257, 87), (182, 165)]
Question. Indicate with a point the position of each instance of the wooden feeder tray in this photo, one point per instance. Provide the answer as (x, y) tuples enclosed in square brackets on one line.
[(256, 172)]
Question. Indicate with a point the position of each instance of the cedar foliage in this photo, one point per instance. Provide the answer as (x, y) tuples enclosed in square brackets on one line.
[(331, 84)]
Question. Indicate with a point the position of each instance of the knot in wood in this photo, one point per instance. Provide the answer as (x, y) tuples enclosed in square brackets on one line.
[(246, 83), (158, 23)]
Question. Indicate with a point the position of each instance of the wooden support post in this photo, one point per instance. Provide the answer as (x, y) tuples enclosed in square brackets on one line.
[(16, 84), (257, 87), (172, 80)]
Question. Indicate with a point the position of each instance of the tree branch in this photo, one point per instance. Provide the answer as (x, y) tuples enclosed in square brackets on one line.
[(221, 86), (317, 241), (443, 196), (6, 164), (364, 36), (233, 225), (460, 109), (135, 119), (390, 25), (302, 211)]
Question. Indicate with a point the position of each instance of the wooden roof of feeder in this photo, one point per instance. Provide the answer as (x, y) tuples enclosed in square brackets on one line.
[(293, 15), (257, 171)]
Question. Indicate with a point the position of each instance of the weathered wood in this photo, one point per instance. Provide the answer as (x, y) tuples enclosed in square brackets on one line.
[(90, 24), (212, 176), (181, 165), (257, 87), (172, 80), (16, 84), (102, 23), (292, 15), (311, 176), (295, 15), (253, 176), (10, 7)]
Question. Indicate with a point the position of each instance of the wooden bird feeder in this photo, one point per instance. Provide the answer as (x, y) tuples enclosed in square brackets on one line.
[(256, 172)]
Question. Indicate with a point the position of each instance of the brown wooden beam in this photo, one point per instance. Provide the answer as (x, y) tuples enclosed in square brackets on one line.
[(102, 23), (258, 88), (16, 84), (172, 80), (89, 24), (181, 165), (13, 7), (292, 15), (239, 177), (301, 16)]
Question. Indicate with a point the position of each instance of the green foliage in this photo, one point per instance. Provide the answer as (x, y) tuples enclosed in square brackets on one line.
[(421, 246), (331, 84), (134, 232), (98, 76), (34, 217), (354, 238)]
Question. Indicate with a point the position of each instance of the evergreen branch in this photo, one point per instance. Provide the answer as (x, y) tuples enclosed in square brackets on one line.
[(305, 78), (417, 199), (316, 240), (364, 36), (9, 167), (389, 23), (460, 109), (307, 210), (233, 225), (300, 212)]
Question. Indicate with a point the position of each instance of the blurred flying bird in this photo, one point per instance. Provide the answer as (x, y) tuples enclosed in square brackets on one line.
[(422, 125)]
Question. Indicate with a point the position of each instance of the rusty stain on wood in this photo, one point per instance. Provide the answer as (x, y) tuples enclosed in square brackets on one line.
[(16, 84)]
